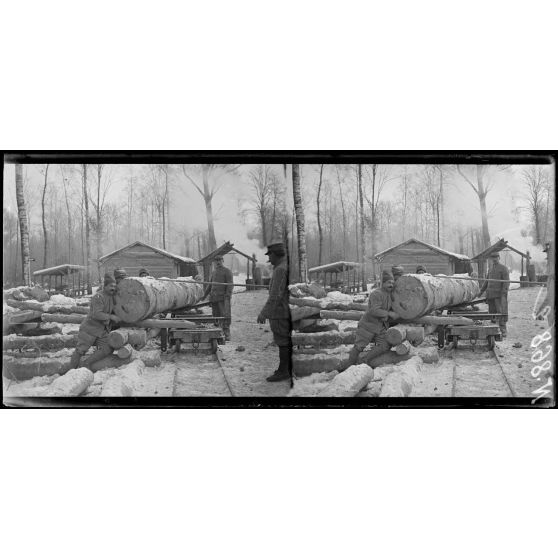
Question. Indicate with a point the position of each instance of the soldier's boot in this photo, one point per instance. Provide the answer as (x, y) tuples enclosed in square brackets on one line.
[(74, 362), (353, 357), (98, 355), (283, 372), (376, 351)]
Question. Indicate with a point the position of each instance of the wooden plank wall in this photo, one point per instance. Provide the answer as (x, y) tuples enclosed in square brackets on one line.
[(134, 258), (413, 254)]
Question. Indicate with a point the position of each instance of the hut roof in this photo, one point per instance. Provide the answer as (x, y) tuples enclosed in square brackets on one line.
[(334, 267), (221, 251), (454, 255), (497, 247), (182, 259), (63, 269)]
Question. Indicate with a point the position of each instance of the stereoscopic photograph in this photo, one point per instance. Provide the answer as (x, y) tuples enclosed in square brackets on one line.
[(361, 281)]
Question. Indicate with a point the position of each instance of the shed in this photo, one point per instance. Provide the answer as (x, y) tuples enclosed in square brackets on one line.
[(159, 262), (223, 250), (527, 270), (338, 275), (68, 278), (412, 252)]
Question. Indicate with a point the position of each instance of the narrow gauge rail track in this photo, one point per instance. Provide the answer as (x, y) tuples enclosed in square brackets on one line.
[(479, 372)]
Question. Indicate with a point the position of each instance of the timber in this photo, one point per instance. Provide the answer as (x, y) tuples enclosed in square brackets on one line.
[(27, 368), (73, 383), (24, 316), (120, 337), (138, 298), (324, 338), (444, 320), (111, 361), (399, 333), (349, 382), (124, 351), (43, 342), (417, 295), (63, 318), (339, 315), (400, 382), (163, 323), (302, 312), (328, 304), (47, 307), (403, 348)]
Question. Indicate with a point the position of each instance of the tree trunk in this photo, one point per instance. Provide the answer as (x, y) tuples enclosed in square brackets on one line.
[(138, 299), (320, 233), (137, 338), (324, 339), (45, 238), (23, 226), (43, 342), (63, 318), (300, 226), (403, 348), (87, 233), (341, 197), (208, 197), (125, 351), (338, 315), (361, 218), (373, 219), (349, 382), (399, 333), (72, 384), (417, 295)]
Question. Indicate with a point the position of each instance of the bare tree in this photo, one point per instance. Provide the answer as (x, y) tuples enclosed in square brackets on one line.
[(300, 227), (361, 218), (263, 198), (536, 179), (45, 237), (211, 176), (85, 194), (23, 225), (320, 232), (344, 215)]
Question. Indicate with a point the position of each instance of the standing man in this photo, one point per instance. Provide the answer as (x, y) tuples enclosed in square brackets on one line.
[(95, 327), (276, 310), (374, 324), (497, 293), (220, 295)]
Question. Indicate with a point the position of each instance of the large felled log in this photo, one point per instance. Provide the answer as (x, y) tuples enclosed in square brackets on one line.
[(26, 368), (302, 312), (328, 304), (138, 298), (417, 295), (163, 323), (44, 342), (323, 339), (349, 382), (340, 315), (444, 320), (63, 318), (24, 316), (120, 337), (399, 333), (72, 384)]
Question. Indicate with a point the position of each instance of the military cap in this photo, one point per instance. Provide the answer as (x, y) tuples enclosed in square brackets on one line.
[(276, 248), (143, 271), (421, 268), (118, 273), (397, 269)]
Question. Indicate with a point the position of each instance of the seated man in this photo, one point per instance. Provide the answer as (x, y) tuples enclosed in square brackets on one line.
[(397, 271), (144, 272), (373, 325), (420, 270), (95, 328), (120, 274)]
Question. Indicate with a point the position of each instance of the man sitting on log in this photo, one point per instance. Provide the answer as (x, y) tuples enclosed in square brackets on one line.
[(220, 295), (420, 270), (374, 324), (496, 292), (95, 328), (276, 310), (144, 272)]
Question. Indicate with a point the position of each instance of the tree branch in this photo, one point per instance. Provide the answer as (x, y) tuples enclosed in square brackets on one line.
[(467, 179), (192, 181)]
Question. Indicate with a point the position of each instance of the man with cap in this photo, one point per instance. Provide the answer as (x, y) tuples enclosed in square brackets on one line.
[(95, 327), (220, 295), (373, 325), (397, 271), (120, 274), (420, 270), (497, 292), (276, 310), (144, 272)]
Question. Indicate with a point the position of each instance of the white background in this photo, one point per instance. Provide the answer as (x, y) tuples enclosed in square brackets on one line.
[(292, 75)]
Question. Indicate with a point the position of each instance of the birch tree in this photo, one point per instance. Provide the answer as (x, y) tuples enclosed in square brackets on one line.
[(23, 225), (300, 226)]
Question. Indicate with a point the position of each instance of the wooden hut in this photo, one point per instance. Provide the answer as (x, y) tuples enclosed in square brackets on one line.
[(413, 252), (160, 263), (343, 276), (68, 279), (527, 269), (227, 248)]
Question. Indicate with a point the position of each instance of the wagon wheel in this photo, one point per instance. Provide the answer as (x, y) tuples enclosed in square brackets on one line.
[(491, 342), (441, 338)]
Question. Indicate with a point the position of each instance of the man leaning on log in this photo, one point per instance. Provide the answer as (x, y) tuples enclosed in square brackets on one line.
[(220, 295), (497, 293), (95, 328), (276, 310), (374, 324)]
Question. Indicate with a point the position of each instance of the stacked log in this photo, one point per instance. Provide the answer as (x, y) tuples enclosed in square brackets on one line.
[(349, 382), (137, 338), (43, 342), (399, 333), (63, 318), (403, 348), (324, 339), (125, 351), (138, 298), (72, 384), (417, 295), (47, 307)]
